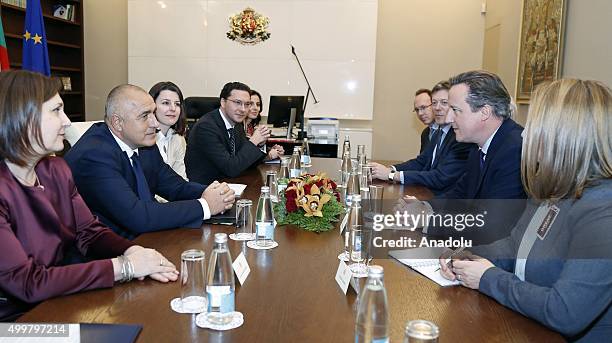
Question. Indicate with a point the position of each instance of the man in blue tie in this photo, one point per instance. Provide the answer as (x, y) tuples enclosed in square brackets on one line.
[(442, 162), (118, 169)]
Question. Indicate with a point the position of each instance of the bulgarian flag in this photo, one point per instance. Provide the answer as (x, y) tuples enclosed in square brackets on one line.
[(4, 60)]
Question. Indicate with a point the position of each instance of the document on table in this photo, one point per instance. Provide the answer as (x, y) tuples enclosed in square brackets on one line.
[(238, 188), (425, 261)]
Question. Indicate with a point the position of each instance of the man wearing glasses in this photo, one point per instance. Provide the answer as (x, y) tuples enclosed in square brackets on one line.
[(442, 162), (217, 148), (423, 110)]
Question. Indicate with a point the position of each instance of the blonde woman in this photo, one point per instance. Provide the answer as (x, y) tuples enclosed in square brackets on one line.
[(556, 266)]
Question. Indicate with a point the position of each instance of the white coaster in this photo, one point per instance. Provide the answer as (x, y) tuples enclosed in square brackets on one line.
[(237, 320), (253, 245), (343, 256), (177, 306), (246, 237)]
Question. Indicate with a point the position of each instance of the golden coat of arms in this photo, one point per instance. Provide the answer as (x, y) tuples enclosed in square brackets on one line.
[(248, 27)]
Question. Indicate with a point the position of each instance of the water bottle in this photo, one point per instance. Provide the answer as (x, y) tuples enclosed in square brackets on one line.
[(352, 185), (305, 152), (362, 158), (264, 219), (295, 168), (372, 316), (345, 169), (346, 146), (220, 284)]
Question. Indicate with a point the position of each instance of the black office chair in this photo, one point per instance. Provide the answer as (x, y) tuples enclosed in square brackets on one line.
[(197, 106)]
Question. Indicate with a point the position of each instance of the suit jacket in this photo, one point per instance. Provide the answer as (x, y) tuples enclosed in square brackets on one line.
[(104, 177), (499, 186), (424, 139), (568, 273), (39, 228), (208, 157), (446, 169)]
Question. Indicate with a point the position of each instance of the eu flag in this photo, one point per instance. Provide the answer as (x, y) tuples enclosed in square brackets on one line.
[(35, 54)]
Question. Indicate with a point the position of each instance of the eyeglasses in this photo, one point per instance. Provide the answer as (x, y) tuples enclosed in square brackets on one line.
[(443, 103), (240, 103), (421, 109)]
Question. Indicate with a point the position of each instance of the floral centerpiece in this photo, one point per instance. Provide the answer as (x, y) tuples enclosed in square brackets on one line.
[(310, 202)]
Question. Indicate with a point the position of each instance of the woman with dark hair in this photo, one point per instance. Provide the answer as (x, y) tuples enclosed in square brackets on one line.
[(44, 223), (252, 121), (170, 113)]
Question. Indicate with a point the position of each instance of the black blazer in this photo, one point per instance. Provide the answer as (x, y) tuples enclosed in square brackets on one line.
[(104, 177), (208, 156), (424, 139), (447, 168)]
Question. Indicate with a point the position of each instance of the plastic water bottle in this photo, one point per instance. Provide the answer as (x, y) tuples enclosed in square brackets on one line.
[(345, 169), (264, 219), (372, 316), (220, 284)]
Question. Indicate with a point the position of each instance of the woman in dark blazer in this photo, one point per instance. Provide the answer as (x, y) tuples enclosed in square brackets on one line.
[(44, 223), (556, 266)]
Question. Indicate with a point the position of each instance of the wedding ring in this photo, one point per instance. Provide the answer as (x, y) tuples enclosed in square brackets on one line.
[(161, 261), (458, 277)]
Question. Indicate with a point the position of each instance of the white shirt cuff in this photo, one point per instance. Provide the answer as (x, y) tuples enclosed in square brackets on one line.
[(205, 208), (401, 174)]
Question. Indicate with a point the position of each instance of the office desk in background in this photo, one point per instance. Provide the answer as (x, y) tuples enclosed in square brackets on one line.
[(291, 294)]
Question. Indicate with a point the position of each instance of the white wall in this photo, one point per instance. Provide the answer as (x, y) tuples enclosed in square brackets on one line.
[(185, 41), (420, 42)]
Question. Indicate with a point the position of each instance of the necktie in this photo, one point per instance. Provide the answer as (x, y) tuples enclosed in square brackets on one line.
[(482, 159), (232, 138), (141, 182), (437, 138), (432, 132)]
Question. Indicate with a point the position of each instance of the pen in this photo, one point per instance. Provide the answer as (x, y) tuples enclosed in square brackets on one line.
[(450, 257)]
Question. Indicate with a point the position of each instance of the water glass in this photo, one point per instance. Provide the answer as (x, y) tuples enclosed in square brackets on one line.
[(357, 252), (244, 219), (366, 176), (421, 331), (376, 198), (272, 182), (193, 281)]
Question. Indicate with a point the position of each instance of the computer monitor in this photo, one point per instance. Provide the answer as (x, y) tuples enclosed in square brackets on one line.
[(279, 112)]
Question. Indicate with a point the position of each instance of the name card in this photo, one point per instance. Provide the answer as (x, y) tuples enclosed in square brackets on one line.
[(241, 268), (343, 276)]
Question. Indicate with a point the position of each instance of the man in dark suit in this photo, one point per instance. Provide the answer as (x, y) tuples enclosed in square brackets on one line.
[(218, 148), (442, 162), (423, 110), (479, 113), (118, 169)]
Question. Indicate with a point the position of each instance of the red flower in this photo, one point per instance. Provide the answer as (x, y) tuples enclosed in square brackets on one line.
[(290, 195), (290, 205), (319, 183), (332, 184), (307, 188), (337, 196)]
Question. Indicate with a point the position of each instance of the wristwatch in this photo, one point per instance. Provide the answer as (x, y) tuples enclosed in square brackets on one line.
[(392, 176)]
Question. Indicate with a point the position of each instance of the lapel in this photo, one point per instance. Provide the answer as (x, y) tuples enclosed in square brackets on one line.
[(221, 124), (450, 136), (126, 166), (495, 145)]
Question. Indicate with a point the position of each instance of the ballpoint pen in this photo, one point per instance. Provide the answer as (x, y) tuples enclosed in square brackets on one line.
[(450, 257)]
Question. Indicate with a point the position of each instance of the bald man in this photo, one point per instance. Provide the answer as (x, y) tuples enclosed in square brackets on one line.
[(118, 169)]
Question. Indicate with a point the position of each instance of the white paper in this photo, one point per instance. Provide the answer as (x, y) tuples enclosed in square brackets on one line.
[(241, 268), (343, 276), (238, 188)]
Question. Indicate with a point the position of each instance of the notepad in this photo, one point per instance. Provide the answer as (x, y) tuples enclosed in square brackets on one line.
[(424, 261), (238, 188)]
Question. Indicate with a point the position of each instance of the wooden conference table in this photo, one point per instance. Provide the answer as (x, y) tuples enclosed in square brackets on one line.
[(291, 294)]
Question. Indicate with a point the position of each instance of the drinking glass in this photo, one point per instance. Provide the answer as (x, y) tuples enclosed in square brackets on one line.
[(244, 220), (193, 281)]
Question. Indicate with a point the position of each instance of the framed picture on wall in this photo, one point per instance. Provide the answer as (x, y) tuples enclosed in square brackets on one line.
[(541, 45)]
